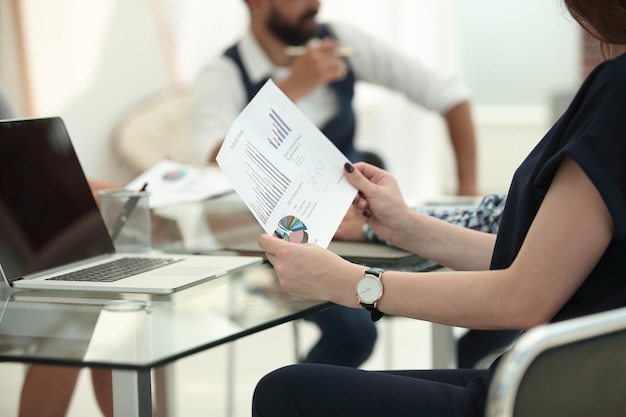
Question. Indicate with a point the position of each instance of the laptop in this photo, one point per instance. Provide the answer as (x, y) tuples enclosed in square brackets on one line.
[(50, 224)]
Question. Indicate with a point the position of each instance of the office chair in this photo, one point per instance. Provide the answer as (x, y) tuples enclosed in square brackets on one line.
[(571, 368), (373, 158), (159, 126), (155, 128)]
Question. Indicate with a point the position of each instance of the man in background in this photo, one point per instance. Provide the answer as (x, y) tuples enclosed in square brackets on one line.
[(317, 66)]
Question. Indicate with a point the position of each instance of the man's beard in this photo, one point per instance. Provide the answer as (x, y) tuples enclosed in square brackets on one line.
[(295, 34)]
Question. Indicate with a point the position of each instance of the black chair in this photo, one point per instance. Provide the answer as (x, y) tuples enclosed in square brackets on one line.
[(571, 368)]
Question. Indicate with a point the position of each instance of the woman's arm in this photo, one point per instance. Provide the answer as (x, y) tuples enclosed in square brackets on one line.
[(557, 255), (447, 244), (388, 215)]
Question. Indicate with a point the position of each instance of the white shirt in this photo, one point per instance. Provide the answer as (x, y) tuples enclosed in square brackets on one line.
[(219, 94)]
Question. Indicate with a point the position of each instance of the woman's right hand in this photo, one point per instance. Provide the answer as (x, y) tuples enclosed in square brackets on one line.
[(379, 200)]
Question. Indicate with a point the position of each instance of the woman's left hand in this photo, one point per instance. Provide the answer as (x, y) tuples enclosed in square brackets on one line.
[(311, 272)]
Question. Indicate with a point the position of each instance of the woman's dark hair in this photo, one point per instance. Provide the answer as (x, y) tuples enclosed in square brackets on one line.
[(603, 19)]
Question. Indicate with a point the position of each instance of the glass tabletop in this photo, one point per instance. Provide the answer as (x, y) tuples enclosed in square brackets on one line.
[(131, 331), (135, 331), (225, 225), (204, 227)]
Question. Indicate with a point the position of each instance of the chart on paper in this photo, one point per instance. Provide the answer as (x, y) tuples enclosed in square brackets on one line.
[(269, 184), (287, 172)]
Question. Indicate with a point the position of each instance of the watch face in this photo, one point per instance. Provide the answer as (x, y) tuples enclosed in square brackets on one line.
[(369, 289)]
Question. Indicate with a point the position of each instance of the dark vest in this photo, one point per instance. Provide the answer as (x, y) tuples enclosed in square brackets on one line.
[(339, 129)]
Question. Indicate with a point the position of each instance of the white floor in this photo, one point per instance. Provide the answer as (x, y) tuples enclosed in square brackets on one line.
[(201, 380)]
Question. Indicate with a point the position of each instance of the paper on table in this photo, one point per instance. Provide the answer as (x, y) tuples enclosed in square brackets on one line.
[(171, 182), (286, 171)]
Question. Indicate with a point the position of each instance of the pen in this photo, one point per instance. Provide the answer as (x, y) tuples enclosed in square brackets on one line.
[(341, 51), (125, 213)]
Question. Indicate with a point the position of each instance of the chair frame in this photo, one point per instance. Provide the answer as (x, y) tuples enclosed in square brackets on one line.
[(515, 363)]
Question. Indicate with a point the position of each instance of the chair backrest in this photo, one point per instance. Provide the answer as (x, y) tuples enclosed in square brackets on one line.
[(571, 368), (158, 127)]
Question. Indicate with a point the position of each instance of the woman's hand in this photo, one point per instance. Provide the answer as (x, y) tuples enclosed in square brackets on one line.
[(311, 272), (379, 200)]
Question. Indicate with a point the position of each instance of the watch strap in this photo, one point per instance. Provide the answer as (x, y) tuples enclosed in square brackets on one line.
[(377, 272), (375, 313)]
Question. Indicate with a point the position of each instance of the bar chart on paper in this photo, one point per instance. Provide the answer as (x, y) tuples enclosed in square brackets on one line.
[(287, 172), (280, 129), (269, 184)]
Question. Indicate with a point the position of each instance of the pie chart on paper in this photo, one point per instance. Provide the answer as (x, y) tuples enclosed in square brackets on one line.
[(291, 229), (174, 175)]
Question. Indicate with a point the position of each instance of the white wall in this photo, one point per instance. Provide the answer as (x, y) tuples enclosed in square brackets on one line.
[(92, 61), (496, 58), (516, 56)]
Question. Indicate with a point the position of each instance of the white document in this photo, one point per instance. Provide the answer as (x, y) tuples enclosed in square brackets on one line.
[(286, 171), (172, 183)]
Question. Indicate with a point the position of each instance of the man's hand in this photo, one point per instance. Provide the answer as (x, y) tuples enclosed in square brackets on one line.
[(317, 66), (351, 228)]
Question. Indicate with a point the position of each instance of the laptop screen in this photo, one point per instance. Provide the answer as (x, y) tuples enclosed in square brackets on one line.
[(48, 216)]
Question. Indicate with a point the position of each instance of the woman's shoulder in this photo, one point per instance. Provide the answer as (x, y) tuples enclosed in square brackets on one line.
[(604, 90), (611, 74)]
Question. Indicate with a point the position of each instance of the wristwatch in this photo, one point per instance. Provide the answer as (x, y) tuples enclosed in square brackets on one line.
[(369, 289)]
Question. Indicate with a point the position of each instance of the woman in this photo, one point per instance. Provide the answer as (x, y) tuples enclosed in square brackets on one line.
[(559, 253)]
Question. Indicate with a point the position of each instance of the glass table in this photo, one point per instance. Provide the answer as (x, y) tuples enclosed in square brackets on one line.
[(138, 335), (134, 334), (224, 225)]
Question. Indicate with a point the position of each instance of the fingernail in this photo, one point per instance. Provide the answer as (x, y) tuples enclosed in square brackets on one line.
[(367, 213), (348, 167)]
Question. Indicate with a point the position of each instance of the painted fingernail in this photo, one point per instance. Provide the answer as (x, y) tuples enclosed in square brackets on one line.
[(367, 213), (348, 167)]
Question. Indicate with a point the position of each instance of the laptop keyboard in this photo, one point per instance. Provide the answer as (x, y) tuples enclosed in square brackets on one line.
[(115, 270)]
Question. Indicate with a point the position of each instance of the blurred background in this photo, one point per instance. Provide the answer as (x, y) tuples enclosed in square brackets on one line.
[(94, 62)]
